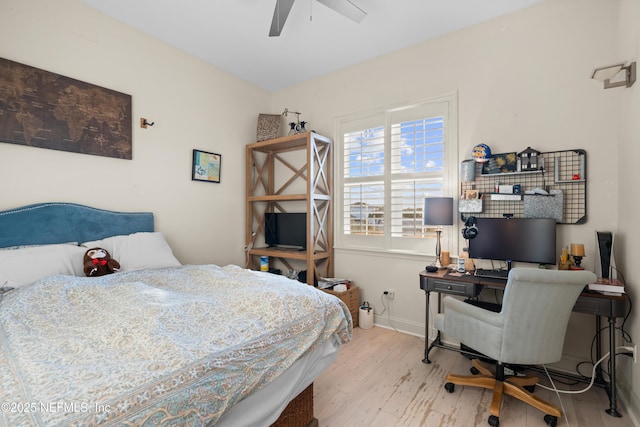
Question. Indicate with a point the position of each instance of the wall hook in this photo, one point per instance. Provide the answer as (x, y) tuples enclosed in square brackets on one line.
[(144, 123)]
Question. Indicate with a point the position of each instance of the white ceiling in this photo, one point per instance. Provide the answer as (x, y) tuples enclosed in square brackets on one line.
[(233, 34)]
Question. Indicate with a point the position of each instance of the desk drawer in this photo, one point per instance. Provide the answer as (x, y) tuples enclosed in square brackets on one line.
[(601, 306), (452, 288)]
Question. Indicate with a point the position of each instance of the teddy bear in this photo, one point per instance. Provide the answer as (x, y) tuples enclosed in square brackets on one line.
[(98, 262)]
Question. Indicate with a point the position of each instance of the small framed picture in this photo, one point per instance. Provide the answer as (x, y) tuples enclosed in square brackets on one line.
[(206, 166)]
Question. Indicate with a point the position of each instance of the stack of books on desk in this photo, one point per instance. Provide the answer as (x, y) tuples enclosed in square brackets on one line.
[(607, 287), (330, 282)]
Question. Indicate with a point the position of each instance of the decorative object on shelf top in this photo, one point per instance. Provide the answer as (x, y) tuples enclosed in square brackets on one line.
[(605, 74), (268, 126), (297, 126), (481, 153), (529, 160)]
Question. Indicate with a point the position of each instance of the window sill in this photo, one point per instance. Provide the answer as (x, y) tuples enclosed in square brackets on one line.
[(387, 254)]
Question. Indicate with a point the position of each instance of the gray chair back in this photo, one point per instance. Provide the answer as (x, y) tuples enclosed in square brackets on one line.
[(536, 307)]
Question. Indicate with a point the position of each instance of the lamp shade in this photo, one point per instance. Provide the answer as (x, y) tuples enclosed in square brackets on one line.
[(438, 211)]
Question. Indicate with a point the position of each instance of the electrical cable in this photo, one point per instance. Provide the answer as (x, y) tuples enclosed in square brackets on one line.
[(385, 307), (593, 378), (564, 412), (247, 250), (388, 310), (625, 335), (555, 389)]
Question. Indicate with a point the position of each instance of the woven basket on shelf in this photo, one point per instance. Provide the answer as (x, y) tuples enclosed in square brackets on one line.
[(268, 126)]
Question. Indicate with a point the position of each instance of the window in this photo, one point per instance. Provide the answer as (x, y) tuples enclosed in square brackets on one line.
[(389, 161)]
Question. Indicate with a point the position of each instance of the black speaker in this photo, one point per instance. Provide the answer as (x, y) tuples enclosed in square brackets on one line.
[(605, 243), (470, 230)]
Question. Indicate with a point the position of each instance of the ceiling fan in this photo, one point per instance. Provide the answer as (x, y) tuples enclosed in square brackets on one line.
[(343, 7)]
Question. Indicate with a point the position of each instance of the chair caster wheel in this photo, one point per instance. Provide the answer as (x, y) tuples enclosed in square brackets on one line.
[(530, 388), (494, 421), (474, 370), (450, 387), (551, 420)]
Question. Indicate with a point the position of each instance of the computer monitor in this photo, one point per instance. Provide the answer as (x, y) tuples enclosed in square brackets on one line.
[(531, 240)]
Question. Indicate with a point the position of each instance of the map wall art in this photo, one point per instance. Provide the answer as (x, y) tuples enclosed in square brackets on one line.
[(42, 109)]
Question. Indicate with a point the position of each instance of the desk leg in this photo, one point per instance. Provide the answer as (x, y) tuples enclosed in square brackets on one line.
[(426, 330), (437, 339), (613, 402), (599, 377)]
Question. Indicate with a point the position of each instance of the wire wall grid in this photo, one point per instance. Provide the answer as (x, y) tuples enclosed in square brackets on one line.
[(562, 175)]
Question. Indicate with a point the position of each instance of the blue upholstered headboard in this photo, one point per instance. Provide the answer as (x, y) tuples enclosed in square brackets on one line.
[(49, 223)]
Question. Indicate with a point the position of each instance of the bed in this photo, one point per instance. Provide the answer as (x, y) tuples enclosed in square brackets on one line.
[(157, 343)]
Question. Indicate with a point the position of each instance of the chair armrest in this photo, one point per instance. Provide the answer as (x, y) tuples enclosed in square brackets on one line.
[(462, 308), (474, 326)]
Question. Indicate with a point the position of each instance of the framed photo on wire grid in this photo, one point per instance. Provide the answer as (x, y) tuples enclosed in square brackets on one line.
[(206, 166)]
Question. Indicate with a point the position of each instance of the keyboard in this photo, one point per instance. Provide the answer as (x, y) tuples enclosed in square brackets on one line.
[(492, 274)]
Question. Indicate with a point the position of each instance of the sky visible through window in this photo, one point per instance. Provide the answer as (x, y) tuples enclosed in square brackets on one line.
[(415, 155)]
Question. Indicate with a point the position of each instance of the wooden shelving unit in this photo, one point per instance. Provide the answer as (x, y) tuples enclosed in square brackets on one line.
[(283, 174)]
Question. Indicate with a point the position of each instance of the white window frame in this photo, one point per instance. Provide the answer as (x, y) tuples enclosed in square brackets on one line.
[(422, 246)]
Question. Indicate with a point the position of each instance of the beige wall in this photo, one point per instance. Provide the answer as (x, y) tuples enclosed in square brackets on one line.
[(194, 105), (627, 245), (522, 80)]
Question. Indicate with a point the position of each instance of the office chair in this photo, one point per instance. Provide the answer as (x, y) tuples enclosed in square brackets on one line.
[(529, 330)]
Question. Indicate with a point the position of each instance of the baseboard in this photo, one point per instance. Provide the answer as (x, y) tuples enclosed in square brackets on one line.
[(629, 400), (400, 325)]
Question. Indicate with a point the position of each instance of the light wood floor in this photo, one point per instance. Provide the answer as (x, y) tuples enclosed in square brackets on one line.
[(379, 380)]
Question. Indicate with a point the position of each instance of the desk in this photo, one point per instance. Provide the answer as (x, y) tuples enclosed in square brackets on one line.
[(469, 286)]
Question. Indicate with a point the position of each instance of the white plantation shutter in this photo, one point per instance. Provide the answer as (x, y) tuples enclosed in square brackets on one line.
[(364, 160), (417, 163), (390, 162)]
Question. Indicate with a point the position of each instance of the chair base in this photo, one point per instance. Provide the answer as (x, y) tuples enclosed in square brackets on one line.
[(515, 386)]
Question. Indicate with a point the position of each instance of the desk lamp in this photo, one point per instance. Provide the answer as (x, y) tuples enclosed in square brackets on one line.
[(438, 211)]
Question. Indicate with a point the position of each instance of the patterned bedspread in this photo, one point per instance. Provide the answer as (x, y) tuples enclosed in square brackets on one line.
[(176, 346)]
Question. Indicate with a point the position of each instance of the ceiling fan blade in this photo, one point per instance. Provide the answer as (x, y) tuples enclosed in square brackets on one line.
[(280, 14), (346, 8)]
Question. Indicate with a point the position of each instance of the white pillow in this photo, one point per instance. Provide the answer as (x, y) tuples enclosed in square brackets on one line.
[(138, 251), (24, 265)]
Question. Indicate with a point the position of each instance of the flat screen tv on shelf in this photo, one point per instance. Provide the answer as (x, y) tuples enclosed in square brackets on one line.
[(286, 229), (531, 240)]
